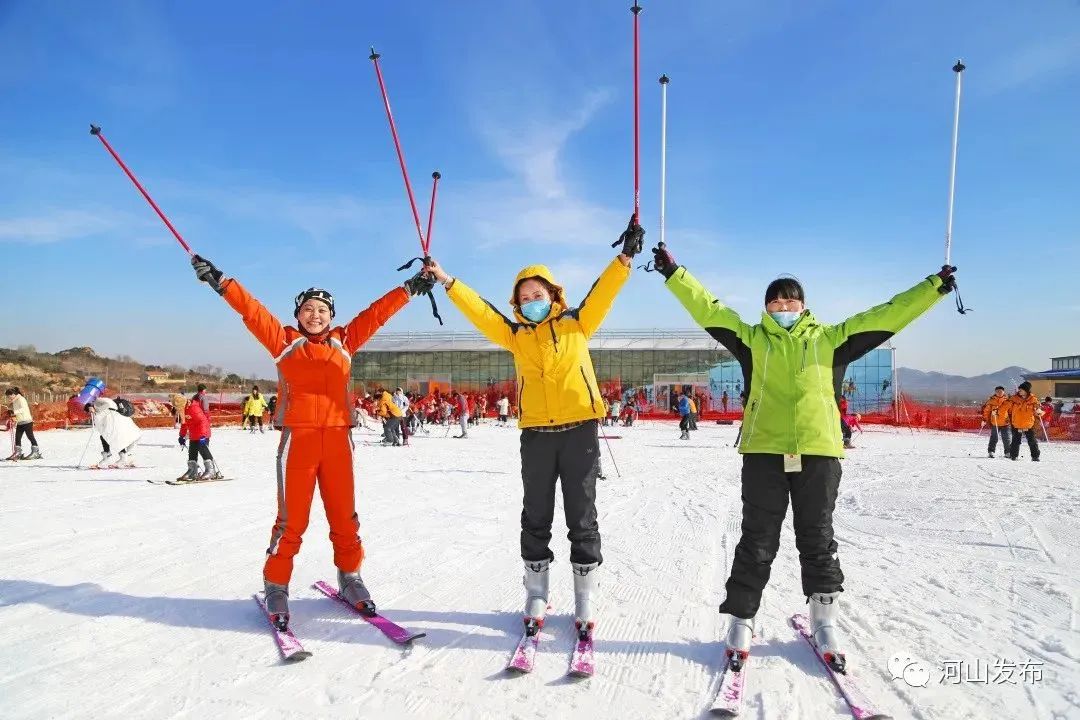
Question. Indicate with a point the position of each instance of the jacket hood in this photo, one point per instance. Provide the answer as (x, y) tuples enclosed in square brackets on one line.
[(558, 303)]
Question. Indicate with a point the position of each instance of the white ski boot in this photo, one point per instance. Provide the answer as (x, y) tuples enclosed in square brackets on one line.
[(125, 460), (352, 589), (192, 473), (536, 594), (35, 454), (210, 472), (103, 462), (584, 586), (277, 604), (824, 612), (740, 635)]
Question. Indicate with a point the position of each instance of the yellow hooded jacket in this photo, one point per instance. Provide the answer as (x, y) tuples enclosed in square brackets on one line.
[(556, 381), (255, 406)]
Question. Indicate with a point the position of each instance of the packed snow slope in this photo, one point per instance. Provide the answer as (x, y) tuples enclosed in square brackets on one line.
[(120, 598)]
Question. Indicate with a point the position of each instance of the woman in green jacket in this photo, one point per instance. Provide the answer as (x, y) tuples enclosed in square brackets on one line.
[(791, 445)]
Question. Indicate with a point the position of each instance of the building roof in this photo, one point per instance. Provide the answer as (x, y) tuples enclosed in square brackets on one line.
[(1072, 374), (649, 339)]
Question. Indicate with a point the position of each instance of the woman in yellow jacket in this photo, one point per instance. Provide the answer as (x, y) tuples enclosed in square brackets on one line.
[(560, 406), (1024, 410)]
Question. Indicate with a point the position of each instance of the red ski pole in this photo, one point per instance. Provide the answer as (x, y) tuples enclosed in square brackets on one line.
[(431, 212), (96, 132), (374, 57), (637, 132)]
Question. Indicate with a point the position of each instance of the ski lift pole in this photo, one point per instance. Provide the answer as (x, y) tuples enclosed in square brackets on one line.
[(96, 132)]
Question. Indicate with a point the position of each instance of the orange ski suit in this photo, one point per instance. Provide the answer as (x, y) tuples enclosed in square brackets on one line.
[(315, 419)]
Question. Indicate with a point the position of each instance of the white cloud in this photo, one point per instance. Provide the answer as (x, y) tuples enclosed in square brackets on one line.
[(57, 226)]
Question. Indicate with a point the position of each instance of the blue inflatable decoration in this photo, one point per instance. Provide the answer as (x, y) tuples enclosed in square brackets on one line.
[(91, 391)]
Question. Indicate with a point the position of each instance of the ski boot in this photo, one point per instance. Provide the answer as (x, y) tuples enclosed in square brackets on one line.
[(536, 594), (824, 611), (35, 454), (277, 604), (352, 590), (848, 445), (17, 455), (103, 462), (210, 472), (584, 586), (125, 460), (192, 473), (739, 636), (991, 453)]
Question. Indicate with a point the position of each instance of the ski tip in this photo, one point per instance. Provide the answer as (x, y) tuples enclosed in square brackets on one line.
[(298, 656), (723, 712)]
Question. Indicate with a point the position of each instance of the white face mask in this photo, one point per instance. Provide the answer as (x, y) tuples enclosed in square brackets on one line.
[(785, 318)]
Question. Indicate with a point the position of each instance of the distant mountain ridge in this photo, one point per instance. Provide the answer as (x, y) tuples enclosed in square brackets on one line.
[(936, 386)]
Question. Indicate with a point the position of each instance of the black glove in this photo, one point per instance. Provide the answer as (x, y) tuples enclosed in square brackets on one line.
[(420, 283), (663, 261), (207, 272), (183, 441), (948, 282), (632, 238)]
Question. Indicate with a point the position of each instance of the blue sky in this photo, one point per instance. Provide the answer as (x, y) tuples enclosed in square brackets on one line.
[(805, 137)]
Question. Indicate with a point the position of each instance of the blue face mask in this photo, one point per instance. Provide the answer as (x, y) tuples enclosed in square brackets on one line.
[(785, 319), (536, 310)]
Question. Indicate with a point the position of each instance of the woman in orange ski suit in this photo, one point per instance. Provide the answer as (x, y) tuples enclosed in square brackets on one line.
[(313, 412)]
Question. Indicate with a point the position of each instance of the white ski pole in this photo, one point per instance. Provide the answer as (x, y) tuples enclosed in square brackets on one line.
[(664, 80), (958, 68), (85, 448)]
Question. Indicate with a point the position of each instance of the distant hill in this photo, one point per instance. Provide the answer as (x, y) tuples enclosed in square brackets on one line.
[(54, 376), (936, 386)]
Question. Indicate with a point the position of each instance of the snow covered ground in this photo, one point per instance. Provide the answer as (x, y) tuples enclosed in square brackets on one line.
[(120, 598)]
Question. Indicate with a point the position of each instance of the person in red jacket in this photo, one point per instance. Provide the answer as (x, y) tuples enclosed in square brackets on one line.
[(1048, 410), (196, 428), (313, 362)]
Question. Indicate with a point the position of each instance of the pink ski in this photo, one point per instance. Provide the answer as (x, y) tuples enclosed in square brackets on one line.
[(525, 653), (291, 649), (390, 629), (856, 700), (582, 664), (729, 699)]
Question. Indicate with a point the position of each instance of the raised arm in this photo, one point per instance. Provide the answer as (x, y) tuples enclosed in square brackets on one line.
[(601, 296), (491, 323), (865, 331), (363, 326), (261, 322), (720, 321)]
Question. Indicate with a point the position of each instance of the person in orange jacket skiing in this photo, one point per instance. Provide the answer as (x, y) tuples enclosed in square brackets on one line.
[(313, 362)]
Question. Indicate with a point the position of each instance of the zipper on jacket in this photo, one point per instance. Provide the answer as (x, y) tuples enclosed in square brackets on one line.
[(521, 398), (803, 356), (592, 400), (551, 326)]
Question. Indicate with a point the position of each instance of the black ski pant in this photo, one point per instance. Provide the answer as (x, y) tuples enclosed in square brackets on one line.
[(1003, 432), (765, 492), (1032, 441), (845, 430), (572, 456), (684, 423), (198, 449), (26, 429)]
